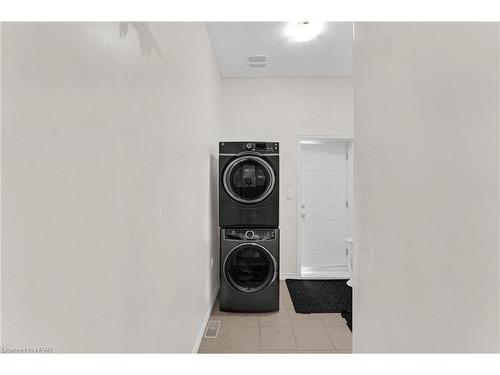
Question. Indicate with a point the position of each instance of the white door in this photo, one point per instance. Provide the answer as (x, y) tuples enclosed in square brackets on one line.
[(323, 219)]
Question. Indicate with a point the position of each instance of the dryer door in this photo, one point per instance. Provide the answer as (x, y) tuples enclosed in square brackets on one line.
[(249, 179), (250, 268)]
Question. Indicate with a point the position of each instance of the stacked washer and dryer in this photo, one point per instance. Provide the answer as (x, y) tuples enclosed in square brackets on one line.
[(249, 220)]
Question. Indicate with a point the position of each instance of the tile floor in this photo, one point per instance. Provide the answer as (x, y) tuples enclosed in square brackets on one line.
[(284, 331)]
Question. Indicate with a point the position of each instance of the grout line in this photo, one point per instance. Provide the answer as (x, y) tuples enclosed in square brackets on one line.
[(260, 342), (330, 337), (295, 337)]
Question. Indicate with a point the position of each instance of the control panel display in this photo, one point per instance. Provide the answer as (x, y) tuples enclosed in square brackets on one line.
[(261, 146), (250, 234), (237, 147)]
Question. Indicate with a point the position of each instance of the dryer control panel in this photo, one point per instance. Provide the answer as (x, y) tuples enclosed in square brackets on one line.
[(242, 234), (238, 147)]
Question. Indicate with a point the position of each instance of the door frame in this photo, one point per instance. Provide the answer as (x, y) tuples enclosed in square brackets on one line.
[(349, 142)]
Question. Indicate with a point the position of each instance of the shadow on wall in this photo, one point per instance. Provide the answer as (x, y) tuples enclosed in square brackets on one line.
[(147, 41), (214, 222)]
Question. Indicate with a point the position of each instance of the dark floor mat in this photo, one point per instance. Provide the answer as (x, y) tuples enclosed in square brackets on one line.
[(347, 315), (321, 296)]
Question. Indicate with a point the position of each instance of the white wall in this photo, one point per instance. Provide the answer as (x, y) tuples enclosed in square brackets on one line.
[(426, 192), (0, 186), (498, 174), (282, 109), (108, 207)]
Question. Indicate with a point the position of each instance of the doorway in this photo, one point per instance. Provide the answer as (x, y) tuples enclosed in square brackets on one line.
[(324, 206)]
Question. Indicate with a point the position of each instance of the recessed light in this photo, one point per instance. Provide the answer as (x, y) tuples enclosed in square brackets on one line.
[(303, 31), (257, 61)]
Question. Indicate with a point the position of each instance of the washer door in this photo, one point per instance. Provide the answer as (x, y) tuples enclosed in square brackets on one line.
[(250, 268), (249, 179)]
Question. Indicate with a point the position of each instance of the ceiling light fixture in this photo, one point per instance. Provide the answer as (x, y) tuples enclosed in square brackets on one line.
[(303, 31), (257, 61)]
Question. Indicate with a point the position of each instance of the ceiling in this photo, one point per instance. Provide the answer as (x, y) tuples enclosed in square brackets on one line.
[(328, 55)]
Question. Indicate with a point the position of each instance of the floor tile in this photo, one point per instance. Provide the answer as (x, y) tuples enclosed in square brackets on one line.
[(304, 320), (216, 311), (246, 320), (284, 331), (277, 339), (284, 292), (327, 351), (275, 319), (233, 339), (341, 337), (313, 338), (331, 320), (284, 288), (285, 302)]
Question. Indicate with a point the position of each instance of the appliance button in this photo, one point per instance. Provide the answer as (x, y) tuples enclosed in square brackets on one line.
[(248, 146), (249, 234)]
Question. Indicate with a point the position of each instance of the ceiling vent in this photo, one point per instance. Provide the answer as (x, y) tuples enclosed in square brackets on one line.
[(257, 61)]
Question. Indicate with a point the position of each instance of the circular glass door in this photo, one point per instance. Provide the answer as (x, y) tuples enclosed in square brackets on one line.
[(248, 179), (250, 268)]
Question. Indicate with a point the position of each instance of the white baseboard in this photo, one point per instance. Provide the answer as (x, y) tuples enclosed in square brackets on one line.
[(337, 272), (284, 276), (329, 275), (201, 332)]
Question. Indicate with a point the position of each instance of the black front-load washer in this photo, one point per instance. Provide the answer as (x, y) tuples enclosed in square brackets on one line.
[(249, 184), (249, 280)]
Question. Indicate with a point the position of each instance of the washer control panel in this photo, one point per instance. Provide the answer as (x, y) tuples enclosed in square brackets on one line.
[(260, 147), (243, 234)]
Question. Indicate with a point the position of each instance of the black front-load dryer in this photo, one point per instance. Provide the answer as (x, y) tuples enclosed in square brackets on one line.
[(248, 184), (249, 280)]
